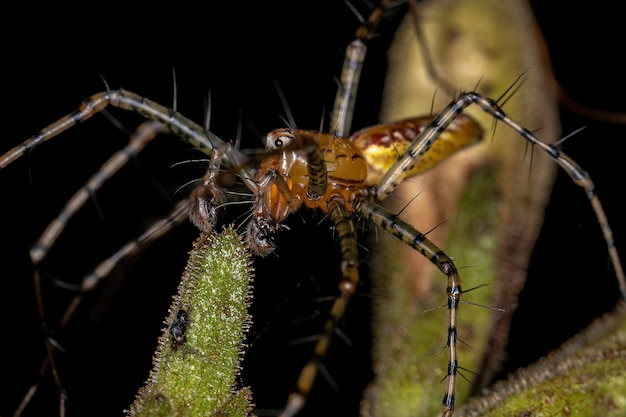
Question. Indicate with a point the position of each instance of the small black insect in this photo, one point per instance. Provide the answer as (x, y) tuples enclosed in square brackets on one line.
[(178, 328)]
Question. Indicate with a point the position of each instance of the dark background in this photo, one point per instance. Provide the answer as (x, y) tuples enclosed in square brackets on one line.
[(55, 58)]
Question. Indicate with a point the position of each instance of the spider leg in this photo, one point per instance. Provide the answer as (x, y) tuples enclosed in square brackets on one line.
[(346, 233), (423, 142), (142, 136), (418, 241), (179, 125), (345, 98), (177, 216)]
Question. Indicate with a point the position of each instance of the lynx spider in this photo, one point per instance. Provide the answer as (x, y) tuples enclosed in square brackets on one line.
[(85, 132)]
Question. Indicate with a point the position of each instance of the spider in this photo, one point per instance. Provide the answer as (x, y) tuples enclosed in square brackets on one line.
[(101, 198)]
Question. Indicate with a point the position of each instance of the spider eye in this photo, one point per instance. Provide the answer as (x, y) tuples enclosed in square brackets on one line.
[(282, 141), (279, 139)]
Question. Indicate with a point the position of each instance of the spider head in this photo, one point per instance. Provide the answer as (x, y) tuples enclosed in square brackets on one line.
[(261, 235)]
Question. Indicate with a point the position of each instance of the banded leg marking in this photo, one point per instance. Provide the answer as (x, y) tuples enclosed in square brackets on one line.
[(418, 241), (346, 231), (422, 143)]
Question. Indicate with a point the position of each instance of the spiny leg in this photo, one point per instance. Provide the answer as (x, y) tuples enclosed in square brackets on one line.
[(343, 109), (142, 136), (341, 122), (161, 227), (523, 192), (158, 229), (423, 142), (346, 233), (187, 130), (179, 125), (410, 236), (165, 119), (568, 102)]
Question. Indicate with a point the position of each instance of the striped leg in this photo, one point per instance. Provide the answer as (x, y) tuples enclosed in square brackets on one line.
[(142, 136), (423, 142), (408, 235), (346, 233), (178, 215), (179, 125)]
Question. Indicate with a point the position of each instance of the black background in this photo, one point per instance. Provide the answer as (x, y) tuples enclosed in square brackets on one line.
[(54, 58)]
